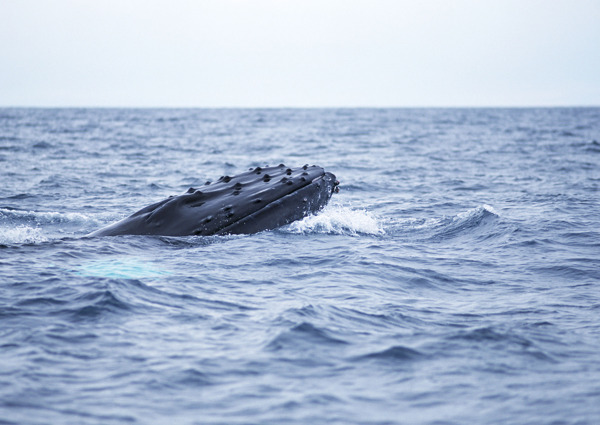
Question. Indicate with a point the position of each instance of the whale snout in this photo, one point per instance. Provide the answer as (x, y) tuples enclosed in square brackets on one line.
[(335, 187)]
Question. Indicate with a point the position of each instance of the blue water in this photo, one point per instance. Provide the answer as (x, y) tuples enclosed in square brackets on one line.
[(454, 279)]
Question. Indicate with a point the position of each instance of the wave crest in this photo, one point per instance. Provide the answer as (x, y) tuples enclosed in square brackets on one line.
[(480, 220), (44, 218), (23, 226), (21, 235), (338, 220)]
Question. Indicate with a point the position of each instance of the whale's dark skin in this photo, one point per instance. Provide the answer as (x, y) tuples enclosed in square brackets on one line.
[(257, 200)]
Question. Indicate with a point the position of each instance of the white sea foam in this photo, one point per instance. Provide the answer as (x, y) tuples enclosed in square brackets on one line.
[(21, 226), (475, 212), (21, 234), (49, 217), (338, 220)]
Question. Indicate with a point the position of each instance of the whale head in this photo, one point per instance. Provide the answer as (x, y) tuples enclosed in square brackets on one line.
[(262, 198)]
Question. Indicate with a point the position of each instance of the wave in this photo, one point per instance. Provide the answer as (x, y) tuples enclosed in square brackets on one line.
[(501, 340), (303, 336), (25, 227), (21, 235), (468, 222), (394, 353), (339, 220), (94, 305), (44, 218)]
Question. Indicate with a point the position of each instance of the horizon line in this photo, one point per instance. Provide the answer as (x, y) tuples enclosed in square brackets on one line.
[(533, 106)]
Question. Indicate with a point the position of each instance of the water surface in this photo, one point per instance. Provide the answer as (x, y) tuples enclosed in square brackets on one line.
[(454, 279)]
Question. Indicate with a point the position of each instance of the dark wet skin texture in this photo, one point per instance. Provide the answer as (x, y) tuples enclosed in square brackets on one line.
[(259, 199)]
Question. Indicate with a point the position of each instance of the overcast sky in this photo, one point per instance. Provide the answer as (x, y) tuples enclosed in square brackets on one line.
[(279, 53)]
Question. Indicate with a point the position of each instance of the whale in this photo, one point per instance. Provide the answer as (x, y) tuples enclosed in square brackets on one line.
[(262, 198)]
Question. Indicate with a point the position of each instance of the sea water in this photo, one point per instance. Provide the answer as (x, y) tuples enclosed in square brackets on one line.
[(454, 279)]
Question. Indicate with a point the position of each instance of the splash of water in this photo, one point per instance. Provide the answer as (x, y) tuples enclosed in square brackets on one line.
[(44, 218), (21, 234), (338, 220)]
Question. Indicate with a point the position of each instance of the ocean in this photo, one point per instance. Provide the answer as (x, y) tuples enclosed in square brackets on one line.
[(454, 279)]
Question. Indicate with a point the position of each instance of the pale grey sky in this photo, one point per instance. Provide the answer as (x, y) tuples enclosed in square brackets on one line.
[(225, 53)]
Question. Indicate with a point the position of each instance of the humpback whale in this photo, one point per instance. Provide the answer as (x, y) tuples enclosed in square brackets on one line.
[(259, 199)]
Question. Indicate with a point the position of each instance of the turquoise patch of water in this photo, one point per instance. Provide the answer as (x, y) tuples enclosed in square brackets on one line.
[(133, 268)]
